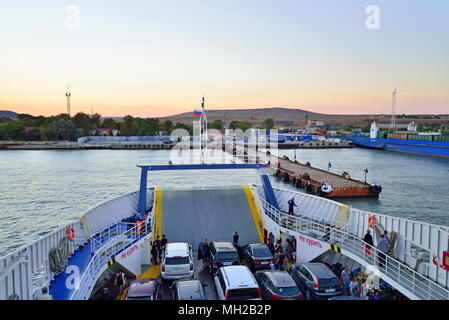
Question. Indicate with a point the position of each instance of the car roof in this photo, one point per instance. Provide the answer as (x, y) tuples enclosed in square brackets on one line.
[(281, 279), (177, 249), (319, 270), (190, 290), (224, 246), (239, 277), (142, 287)]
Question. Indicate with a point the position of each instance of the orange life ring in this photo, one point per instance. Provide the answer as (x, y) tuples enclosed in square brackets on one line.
[(372, 222), (70, 233)]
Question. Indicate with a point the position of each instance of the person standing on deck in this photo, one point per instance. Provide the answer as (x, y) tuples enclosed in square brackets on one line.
[(368, 238), (163, 242), (120, 282), (382, 246), (157, 242), (291, 206), (346, 279), (205, 251), (154, 253), (235, 239)]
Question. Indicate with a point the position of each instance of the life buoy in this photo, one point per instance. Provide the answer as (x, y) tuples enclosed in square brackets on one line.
[(372, 221), (326, 188), (70, 233)]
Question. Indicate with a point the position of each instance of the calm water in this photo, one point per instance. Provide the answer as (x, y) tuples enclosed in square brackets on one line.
[(41, 190)]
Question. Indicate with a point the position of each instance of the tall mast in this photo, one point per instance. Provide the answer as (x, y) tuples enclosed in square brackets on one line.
[(204, 136), (393, 109), (68, 94)]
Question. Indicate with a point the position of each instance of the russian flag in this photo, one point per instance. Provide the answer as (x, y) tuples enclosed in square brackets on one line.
[(197, 113)]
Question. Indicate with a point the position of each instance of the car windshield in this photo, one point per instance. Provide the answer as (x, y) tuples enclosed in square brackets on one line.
[(244, 294), (227, 256), (177, 261), (287, 291), (140, 298), (262, 252), (329, 283)]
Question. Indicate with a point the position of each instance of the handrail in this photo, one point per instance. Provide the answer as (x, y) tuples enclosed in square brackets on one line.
[(417, 284), (104, 253)]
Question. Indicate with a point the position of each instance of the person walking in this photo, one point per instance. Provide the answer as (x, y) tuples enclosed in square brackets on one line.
[(120, 282), (368, 238), (154, 253), (157, 242), (235, 239), (270, 245), (345, 278), (363, 290), (164, 242), (291, 206), (382, 246), (205, 251), (354, 287), (265, 235), (280, 260)]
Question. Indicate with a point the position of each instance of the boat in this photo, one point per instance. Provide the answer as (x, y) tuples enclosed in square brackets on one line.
[(412, 142), (79, 259)]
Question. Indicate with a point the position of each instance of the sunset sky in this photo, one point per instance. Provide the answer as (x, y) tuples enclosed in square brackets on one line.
[(158, 57)]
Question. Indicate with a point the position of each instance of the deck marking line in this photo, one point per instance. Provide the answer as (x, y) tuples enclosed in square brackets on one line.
[(254, 211)]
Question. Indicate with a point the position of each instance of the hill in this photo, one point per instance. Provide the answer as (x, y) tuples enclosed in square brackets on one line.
[(8, 114)]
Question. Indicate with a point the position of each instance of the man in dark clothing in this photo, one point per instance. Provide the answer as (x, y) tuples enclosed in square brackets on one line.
[(265, 235), (235, 239), (154, 253), (105, 294), (205, 250), (163, 241), (157, 242), (368, 238), (291, 206)]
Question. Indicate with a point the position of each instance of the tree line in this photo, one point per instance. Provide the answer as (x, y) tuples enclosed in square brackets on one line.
[(65, 127)]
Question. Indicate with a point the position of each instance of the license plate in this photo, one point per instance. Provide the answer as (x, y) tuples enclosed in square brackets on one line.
[(264, 262), (227, 263), (330, 290)]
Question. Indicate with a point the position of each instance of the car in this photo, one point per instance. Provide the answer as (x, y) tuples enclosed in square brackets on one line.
[(144, 289), (236, 283), (316, 280), (222, 253), (278, 285), (177, 261), (188, 290), (257, 256)]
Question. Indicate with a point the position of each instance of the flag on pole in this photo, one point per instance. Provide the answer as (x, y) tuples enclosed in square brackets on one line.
[(198, 113)]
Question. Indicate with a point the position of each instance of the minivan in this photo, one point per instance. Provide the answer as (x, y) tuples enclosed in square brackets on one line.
[(236, 283), (177, 261)]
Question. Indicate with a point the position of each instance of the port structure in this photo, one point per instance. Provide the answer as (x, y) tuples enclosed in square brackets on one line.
[(68, 94)]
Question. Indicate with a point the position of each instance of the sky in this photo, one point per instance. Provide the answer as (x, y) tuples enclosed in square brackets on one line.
[(153, 58)]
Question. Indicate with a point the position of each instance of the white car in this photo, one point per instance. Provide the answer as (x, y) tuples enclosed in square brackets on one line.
[(236, 283), (177, 261)]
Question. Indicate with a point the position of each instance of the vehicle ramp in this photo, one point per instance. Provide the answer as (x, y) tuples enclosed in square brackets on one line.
[(214, 214)]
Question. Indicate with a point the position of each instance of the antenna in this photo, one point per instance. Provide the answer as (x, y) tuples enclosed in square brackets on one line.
[(68, 94), (393, 109)]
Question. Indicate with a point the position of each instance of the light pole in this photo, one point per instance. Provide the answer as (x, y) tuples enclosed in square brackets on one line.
[(366, 172)]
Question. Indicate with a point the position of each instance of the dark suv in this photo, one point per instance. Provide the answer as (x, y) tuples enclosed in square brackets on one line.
[(222, 253), (316, 280), (257, 256)]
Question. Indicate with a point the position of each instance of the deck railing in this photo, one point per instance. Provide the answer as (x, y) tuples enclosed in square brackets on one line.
[(121, 235), (401, 276)]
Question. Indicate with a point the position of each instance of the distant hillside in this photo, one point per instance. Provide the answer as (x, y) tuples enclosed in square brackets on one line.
[(8, 114), (264, 113)]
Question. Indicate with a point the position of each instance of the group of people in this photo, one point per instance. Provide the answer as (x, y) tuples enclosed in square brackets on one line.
[(157, 248), (282, 255), (383, 245), (357, 287)]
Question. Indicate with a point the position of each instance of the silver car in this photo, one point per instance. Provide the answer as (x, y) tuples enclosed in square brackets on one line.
[(188, 290), (177, 261)]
